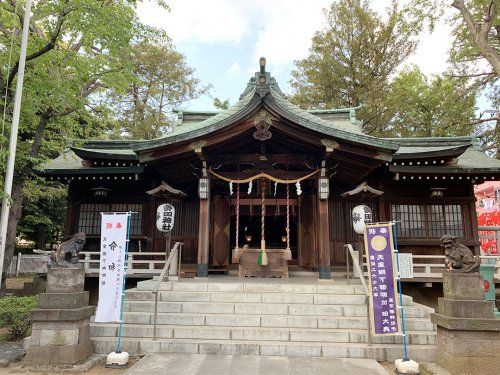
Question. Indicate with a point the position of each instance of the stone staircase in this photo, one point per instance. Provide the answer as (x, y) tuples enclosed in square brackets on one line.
[(295, 317)]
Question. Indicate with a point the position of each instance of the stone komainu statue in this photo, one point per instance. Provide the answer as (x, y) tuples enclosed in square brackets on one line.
[(458, 258), (66, 254)]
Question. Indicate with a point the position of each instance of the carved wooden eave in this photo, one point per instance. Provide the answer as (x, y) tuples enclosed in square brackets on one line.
[(166, 191), (364, 190)]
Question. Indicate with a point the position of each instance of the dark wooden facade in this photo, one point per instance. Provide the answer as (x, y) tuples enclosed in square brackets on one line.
[(265, 133)]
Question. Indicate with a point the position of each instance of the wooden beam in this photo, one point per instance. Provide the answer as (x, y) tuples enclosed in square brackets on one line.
[(275, 173), (301, 159), (267, 202)]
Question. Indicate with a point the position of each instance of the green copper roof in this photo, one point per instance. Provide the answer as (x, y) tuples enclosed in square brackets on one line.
[(106, 153), (255, 96), (471, 158), (196, 129), (345, 130), (262, 91)]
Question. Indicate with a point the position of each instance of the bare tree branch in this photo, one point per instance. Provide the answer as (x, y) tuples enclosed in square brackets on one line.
[(483, 120)]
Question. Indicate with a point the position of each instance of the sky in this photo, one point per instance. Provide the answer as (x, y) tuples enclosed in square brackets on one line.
[(224, 39)]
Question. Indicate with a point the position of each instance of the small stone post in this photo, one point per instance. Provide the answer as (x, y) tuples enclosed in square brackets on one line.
[(61, 324)]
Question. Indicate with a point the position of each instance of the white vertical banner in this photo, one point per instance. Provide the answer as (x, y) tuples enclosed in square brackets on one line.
[(114, 237)]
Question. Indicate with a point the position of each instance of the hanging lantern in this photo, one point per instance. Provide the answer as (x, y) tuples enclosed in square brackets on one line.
[(323, 188), (250, 187), (203, 187), (230, 188), (361, 215)]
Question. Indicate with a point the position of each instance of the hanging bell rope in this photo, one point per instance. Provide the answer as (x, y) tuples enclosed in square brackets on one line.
[(263, 261), (264, 175), (288, 251), (237, 250)]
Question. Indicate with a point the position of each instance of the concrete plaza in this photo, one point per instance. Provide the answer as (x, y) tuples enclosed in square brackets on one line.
[(210, 364)]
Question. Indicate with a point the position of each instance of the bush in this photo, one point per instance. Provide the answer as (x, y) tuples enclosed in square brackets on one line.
[(14, 315)]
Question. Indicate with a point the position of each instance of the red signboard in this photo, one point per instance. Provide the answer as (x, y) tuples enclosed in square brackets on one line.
[(492, 218)]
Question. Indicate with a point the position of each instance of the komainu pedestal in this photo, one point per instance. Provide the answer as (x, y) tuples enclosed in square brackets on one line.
[(61, 325), (468, 335)]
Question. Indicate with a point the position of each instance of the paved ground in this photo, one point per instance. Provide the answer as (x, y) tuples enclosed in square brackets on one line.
[(210, 364)]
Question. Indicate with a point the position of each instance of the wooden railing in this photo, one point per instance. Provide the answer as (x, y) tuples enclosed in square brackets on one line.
[(425, 267), (430, 267), (143, 263), (173, 263)]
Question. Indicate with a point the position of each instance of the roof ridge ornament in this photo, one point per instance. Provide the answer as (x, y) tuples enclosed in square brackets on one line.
[(262, 79), (263, 121)]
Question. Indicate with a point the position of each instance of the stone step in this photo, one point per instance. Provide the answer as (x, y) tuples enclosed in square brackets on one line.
[(251, 297), (258, 334), (252, 320), (263, 308), (265, 286), (379, 352)]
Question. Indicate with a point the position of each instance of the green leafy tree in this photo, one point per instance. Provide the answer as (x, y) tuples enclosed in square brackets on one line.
[(77, 49), (352, 59), (44, 211), (475, 55), (422, 107), (162, 81), (477, 32)]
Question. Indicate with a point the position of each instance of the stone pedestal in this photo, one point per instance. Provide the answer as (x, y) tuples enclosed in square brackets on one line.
[(468, 335), (61, 325)]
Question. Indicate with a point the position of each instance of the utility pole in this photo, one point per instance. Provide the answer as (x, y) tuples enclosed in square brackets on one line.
[(9, 173)]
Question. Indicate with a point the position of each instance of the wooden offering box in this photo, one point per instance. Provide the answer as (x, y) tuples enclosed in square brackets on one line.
[(277, 264)]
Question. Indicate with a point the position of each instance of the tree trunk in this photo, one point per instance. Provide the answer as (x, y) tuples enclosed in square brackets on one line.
[(14, 217), (40, 237)]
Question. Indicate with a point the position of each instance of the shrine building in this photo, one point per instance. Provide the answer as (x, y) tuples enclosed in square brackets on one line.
[(266, 173)]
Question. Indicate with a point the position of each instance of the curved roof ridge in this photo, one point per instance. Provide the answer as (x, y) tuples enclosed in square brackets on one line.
[(448, 139), (207, 125), (335, 129)]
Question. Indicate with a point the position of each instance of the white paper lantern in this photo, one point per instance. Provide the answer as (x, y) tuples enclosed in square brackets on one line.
[(361, 215), (165, 217)]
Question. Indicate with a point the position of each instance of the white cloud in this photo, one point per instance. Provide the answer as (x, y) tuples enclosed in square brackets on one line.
[(233, 70), (203, 21), (281, 30), (287, 32)]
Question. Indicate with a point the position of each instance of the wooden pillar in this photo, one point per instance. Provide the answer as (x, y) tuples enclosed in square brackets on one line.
[(203, 237), (323, 239), (69, 223), (473, 220)]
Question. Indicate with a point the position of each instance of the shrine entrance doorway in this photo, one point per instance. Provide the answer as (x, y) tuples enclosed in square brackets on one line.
[(275, 228)]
